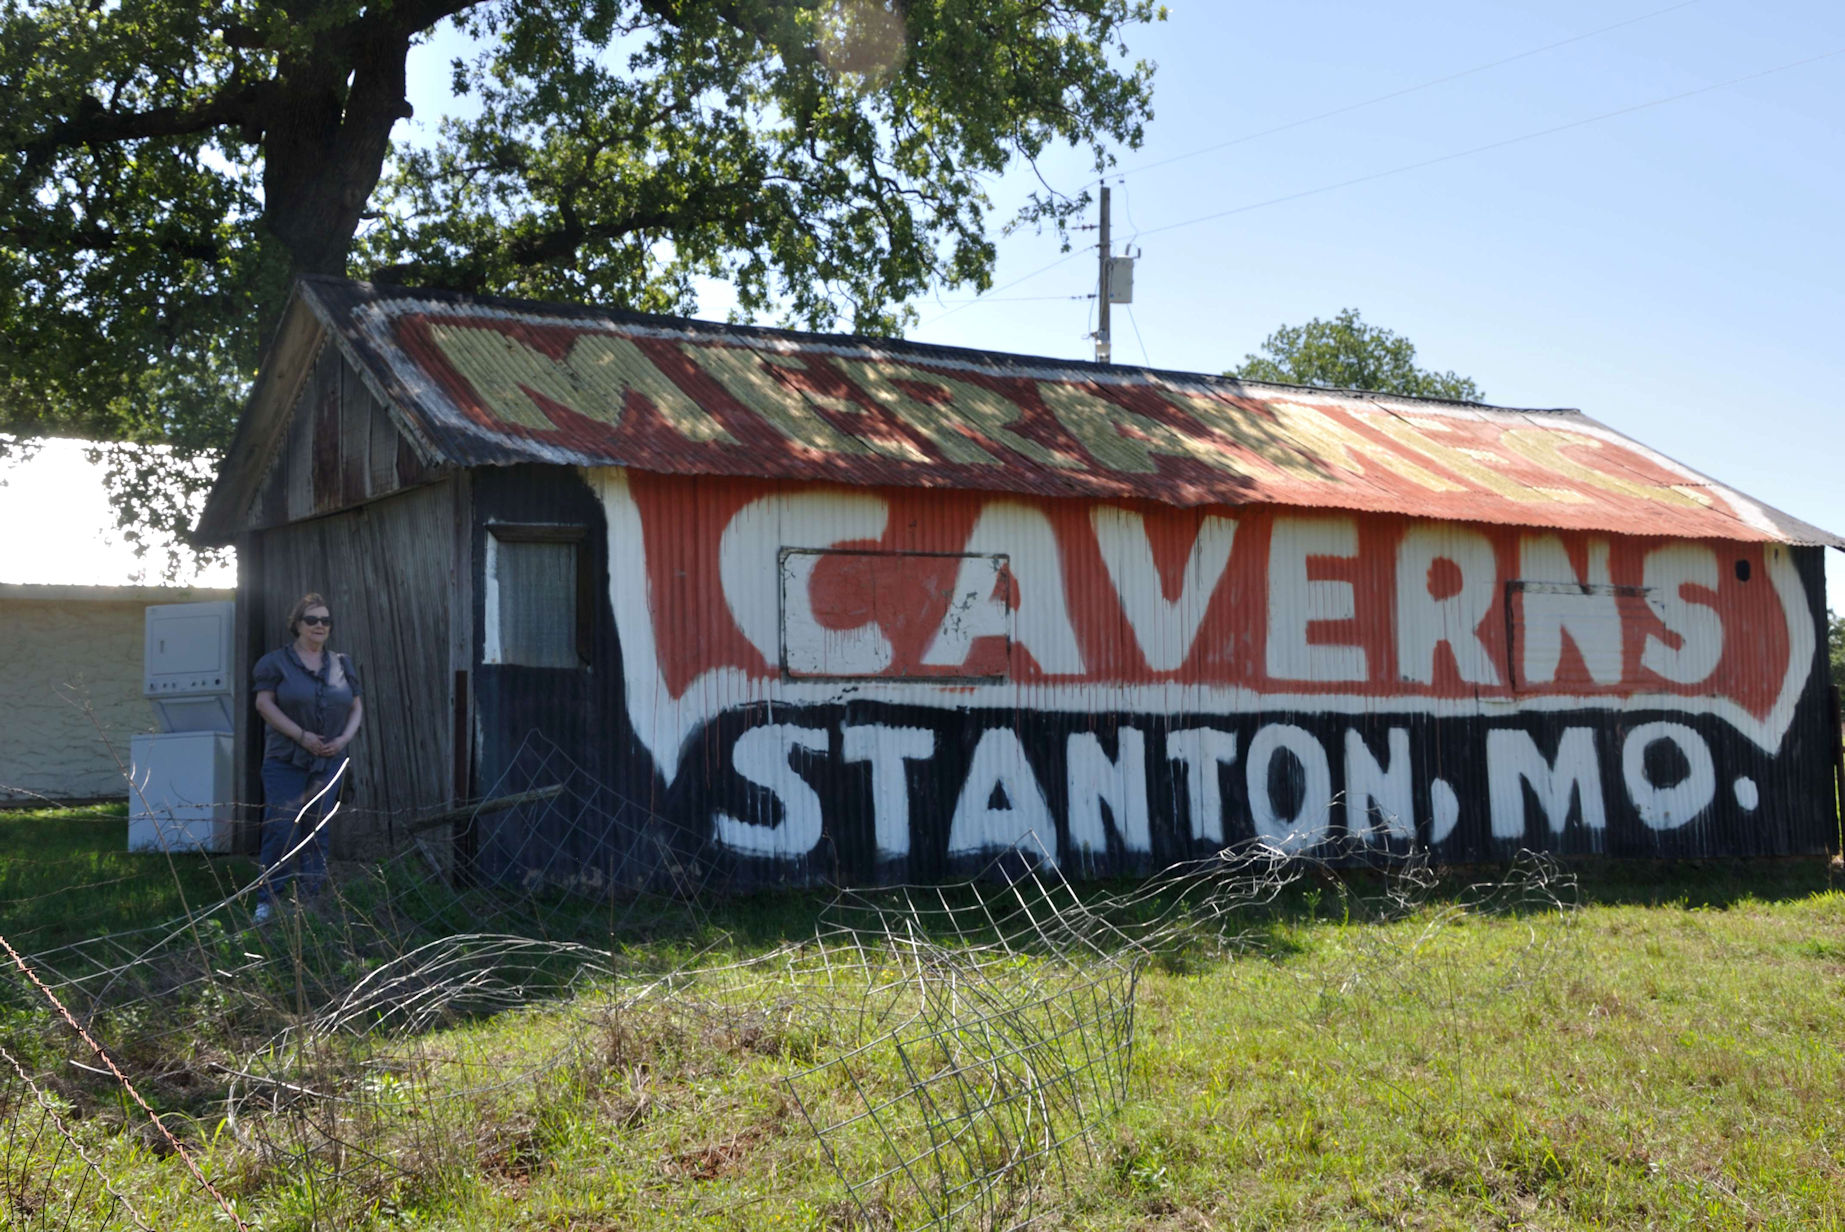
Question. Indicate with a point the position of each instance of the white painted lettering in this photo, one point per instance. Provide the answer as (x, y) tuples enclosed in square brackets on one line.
[(748, 377), (1674, 804), (1697, 625), (1121, 783), (887, 748), (1369, 786), (1425, 621), (1512, 758), (748, 566), (1023, 820), (761, 755), (1042, 623), (943, 415), (1201, 750), (1307, 827), (1165, 628), (1294, 602), (1558, 602), (810, 648), (1446, 809), (1098, 423)]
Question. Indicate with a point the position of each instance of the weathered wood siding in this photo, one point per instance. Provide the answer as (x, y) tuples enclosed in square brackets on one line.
[(386, 571), (341, 450)]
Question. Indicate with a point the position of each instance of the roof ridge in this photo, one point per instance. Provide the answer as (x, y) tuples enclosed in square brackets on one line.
[(578, 309), (476, 380)]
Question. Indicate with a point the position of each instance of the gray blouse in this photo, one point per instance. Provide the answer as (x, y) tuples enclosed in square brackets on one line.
[(319, 702)]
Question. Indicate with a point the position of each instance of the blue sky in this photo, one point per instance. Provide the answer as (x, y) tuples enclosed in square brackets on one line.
[(1675, 272)]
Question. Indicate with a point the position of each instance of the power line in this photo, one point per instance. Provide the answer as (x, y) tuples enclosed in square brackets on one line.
[(1480, 68), (984, 299), (1144, 357), (1383, 98), (1011, 299), (1415, 166), (1497, 145)]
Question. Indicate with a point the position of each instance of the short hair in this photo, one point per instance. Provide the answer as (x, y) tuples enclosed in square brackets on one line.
[(310, 599)]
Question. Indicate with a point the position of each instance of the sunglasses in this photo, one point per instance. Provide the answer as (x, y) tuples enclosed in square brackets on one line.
[(325, 621)]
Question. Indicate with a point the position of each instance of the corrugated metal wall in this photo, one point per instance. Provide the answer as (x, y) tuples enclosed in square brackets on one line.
[(779, 681), (810, 682), (541, 726)]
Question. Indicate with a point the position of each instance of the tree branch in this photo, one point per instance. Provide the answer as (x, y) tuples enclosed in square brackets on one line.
[(396, 20), (238, 103), (242, 37), (747, 19)]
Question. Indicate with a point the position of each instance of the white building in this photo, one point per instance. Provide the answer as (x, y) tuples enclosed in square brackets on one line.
[(72, 599)]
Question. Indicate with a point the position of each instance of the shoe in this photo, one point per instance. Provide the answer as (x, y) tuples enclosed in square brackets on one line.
[(263, 912)]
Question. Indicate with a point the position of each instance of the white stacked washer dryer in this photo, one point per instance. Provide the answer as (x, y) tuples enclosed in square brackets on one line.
[(180, 796)]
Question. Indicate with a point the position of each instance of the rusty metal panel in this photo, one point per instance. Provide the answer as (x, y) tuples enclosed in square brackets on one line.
[(501, 382), (821, 681)]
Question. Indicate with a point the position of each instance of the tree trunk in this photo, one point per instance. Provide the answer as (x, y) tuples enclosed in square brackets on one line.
[(326, 138)]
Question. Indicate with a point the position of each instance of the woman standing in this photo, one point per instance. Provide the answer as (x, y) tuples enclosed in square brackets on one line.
[(310, 698)]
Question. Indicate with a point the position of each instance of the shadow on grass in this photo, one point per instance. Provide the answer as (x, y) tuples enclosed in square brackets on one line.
[(1716, 883), (751, 923), (66, 877)]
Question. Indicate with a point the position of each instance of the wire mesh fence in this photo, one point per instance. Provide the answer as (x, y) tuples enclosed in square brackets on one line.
[(948, 1055)]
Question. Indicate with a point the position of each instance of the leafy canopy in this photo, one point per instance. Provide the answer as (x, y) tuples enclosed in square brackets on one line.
[(1346, 353), (1835, 647), (167, 167)]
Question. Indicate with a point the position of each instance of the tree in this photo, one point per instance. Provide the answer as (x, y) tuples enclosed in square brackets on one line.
[(1835, 645), (167, 168), (1345, 353)]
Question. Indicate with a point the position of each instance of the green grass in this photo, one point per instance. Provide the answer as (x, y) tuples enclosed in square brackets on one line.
[(1666, 1067), (1670, 1055), (67, 875)]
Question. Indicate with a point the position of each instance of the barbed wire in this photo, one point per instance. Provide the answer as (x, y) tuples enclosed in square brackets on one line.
[(952, 1052)]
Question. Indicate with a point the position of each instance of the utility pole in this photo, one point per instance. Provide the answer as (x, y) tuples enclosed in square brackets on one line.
[(1103, 353)]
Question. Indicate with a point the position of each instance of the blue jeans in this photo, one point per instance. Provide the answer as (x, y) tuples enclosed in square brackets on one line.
[(286, 790)]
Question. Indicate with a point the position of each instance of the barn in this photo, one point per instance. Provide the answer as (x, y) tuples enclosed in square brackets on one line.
[(837, 608)]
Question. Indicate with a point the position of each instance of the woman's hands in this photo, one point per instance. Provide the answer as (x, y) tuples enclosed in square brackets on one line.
[(320, 746)]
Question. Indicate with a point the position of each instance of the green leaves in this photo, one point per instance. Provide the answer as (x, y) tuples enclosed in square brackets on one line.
[(1835, 649), (1346, 353), (129, 249), (827, 160), (167, 168)]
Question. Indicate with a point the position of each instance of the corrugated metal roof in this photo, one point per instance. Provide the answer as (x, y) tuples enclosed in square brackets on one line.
[(486, 381)]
